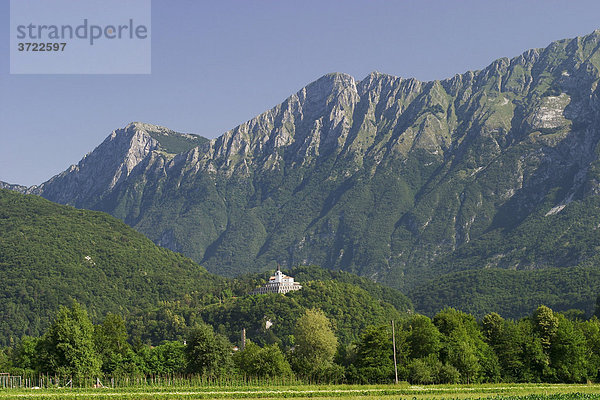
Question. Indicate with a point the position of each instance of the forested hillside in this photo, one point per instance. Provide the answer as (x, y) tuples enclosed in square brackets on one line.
[(52, 254), (350, 309), (349, 301), (511, 293)]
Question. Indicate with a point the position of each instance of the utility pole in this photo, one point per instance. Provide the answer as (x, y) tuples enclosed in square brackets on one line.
[(394, 344)]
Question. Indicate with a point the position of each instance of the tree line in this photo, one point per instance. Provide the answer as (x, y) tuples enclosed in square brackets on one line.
[(451, 347)]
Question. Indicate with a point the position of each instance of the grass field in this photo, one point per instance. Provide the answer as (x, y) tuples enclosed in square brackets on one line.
[(402, 391)]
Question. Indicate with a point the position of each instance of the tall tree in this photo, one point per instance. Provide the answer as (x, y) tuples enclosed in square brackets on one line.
[(268, 361), (423, 338), (111, 343), (507, 342), (67, 347), (374, 356), (546, 325), (315, 342), (535, 360), (207, 352), (568, 353), (492, 327), (464, 347)]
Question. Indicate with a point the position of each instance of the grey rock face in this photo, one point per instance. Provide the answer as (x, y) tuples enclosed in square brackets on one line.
[(10, 186), (101, 170)]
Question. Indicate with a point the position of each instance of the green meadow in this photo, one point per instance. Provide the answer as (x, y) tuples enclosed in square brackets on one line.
[(400, 391)]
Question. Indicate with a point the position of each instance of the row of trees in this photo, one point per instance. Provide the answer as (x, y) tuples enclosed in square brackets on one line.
[(453, 347), (73, 347), (450, 348)]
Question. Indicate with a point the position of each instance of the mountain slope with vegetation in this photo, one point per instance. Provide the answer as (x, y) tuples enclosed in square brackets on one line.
[(350, 302), (395, 179), (511, 293), (52, 254)]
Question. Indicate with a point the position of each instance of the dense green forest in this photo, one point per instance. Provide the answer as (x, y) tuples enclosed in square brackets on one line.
[(350, 308), (511, 293), (349, 301), (451, 347), (51, 255)]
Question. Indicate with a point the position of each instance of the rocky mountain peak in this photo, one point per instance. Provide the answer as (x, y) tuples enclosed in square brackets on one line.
[(143, 126), (319, 96), (13, 187), (103, 168)]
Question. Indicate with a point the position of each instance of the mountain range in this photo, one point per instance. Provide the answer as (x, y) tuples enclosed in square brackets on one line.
[(406, 182)]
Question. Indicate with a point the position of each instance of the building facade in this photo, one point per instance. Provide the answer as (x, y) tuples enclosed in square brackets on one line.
[(278, 283)]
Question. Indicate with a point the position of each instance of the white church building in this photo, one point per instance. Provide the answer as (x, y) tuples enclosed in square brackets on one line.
[(278, 283)]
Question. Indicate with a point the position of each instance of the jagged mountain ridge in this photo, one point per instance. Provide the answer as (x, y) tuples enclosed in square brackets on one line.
[(384, 176)]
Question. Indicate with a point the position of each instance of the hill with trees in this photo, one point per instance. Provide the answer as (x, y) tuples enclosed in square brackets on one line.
[(512, 293), (270, 318), (52, 254), (349, 301)]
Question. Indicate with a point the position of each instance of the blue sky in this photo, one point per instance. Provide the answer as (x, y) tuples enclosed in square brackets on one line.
[(218, 64)]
